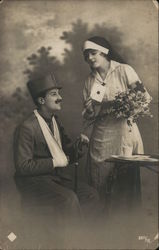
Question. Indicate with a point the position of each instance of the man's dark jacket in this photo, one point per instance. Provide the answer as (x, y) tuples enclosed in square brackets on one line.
[(31, 153)]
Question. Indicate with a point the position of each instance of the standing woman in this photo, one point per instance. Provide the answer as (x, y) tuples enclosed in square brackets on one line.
[(110, 136)]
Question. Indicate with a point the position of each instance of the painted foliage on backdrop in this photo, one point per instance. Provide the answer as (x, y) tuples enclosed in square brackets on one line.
[(70, 74)]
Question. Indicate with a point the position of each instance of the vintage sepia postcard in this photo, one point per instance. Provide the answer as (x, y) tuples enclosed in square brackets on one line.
[(79, 158)]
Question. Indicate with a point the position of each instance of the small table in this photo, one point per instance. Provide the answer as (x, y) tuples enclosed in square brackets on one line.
[(149, 164), (125, 183)]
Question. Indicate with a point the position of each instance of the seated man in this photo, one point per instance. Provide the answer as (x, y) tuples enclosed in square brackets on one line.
[(43, 153)]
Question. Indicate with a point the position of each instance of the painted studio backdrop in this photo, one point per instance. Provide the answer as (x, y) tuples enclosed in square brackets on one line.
[(49, 35)]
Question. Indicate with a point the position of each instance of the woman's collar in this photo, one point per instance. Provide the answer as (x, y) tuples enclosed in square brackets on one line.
[(113, 66)]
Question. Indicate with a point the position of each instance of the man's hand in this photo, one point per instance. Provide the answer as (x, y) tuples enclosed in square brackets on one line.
[(60, 163), (81, 141), (84, 139)]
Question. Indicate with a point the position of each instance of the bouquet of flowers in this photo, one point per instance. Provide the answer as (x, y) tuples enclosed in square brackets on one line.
[(130, 104)]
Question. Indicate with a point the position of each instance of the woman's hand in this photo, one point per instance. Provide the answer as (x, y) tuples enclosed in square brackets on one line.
[(88, 112), (89, 105)]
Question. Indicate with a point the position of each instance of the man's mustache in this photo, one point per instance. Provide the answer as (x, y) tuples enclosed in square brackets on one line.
[(58, 101)]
